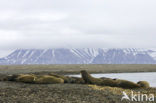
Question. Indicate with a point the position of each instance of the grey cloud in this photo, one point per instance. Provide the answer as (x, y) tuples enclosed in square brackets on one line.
[(77, 24)]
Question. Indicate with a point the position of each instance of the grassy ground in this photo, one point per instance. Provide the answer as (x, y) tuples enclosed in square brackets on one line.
[(12, 92), (70, 69)]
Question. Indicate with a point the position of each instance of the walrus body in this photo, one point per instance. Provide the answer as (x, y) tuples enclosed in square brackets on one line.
[(86, 79), (144, 84), (108, 81)]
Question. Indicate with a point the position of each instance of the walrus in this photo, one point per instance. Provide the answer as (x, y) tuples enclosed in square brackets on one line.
[(108, 81)]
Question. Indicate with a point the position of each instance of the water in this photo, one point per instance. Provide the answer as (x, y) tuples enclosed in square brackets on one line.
[(135, 77)]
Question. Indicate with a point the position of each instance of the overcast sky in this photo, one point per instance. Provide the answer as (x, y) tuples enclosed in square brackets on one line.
[(77, 24)]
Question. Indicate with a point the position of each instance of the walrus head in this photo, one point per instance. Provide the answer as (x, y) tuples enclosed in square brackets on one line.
[(86, 76)]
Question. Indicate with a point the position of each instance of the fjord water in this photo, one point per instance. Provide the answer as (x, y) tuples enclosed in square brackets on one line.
[(135, 77)]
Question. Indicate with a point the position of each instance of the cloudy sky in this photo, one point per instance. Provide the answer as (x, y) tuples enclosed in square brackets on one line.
[(77, 24)]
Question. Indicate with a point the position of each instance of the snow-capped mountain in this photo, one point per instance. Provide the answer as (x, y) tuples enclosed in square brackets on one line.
[(81, 56)]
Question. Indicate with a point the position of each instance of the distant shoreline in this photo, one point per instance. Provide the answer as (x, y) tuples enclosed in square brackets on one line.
[(76, 68)]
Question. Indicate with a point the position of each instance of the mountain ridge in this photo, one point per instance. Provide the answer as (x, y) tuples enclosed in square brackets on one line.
[(81, 56)]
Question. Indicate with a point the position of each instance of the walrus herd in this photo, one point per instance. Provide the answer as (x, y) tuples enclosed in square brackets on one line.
[(112, 82), (86, 78)]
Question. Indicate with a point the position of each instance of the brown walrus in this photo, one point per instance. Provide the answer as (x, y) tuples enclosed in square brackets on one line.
[(108, 81)]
